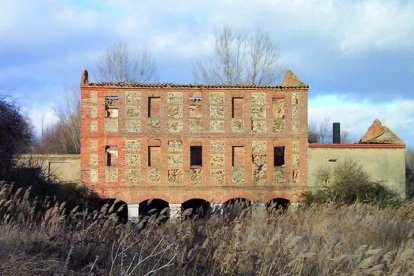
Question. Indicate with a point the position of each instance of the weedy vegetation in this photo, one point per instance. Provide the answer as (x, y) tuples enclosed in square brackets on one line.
[(40, 237)]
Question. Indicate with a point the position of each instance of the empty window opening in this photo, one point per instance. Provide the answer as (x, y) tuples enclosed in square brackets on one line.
[(237, 108), (238, 156), (154, 156), (279, 156), (111, 156), (196, 155), (111, 106), (154, 107)]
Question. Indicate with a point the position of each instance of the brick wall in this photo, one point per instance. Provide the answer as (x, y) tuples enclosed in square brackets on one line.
[(195, 116)]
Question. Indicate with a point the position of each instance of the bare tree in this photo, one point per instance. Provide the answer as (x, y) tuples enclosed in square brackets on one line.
[(119, 64), (239, 58), (322, 133), (64, 135)]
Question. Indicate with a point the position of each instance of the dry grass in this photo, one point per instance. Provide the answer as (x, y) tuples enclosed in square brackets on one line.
[(38, 238)]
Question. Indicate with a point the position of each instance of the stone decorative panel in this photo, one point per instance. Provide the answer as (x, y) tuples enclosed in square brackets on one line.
[(132, 160), (217, 160), (175, 146), (132, 145), (195, 110), (237, 125), (278, 125), (133, 125), (175, 98), (111, 174), (175, 160), (278, 109), (259, 126), (175, 126), (111, 124), (94, 126), (196, 175), (295, 112), (238, 175), (295, 161), (132, 111), (94, 97), (217, 146), (154, 124), (132, 98), (175, 175), (93, 175), (258, 112), (259, 168), (93, 145), (217, 112), (94, 112), (175, 112), (217, 126), (279, 176), (154, 175), (216, 98), (258, 146), (258, 98), (217, 176), (195, 125), (133, 176), (93, 160)]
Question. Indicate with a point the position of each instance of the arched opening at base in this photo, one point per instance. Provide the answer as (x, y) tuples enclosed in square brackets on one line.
[(118, 207), (236, 207), (195, 208), (154, 207), (278, 204)]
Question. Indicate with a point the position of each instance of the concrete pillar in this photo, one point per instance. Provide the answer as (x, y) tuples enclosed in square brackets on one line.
[(133, 212), (294, 206), (259, 210), (175, 212), (217, 208)]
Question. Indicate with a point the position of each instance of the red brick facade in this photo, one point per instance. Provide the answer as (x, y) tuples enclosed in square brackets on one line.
[(120, 128)]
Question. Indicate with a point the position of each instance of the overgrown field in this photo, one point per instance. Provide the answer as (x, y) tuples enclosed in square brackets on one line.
[(38, 237)]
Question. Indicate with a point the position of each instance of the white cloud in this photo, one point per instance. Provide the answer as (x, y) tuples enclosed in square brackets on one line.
[(42, 116), (356, 116)]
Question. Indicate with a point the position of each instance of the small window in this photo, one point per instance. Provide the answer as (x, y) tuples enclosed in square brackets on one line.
[(238, 157), (111, 156), (237, 108), (111, 106), (154, 107), (154, 156), (196, 155), (279, 156)]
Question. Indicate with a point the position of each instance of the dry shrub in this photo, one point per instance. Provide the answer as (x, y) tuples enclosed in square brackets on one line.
[(348, 183), (355, 239)]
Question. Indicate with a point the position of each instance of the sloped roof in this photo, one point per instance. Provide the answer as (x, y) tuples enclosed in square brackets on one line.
[(290, 81), (380, 134)]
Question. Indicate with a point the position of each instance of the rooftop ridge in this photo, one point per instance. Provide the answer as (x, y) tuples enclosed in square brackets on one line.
[(177, 85)]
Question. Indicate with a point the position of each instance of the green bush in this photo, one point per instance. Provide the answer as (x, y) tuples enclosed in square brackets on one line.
[(348, 183)]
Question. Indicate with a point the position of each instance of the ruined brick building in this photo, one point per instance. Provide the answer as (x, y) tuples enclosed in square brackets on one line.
[(186, 146), (200, 144)]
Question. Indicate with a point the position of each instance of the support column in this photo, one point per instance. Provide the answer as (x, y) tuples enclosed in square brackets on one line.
[(216, 208), (259, 210), (133, 212), (175, 212)]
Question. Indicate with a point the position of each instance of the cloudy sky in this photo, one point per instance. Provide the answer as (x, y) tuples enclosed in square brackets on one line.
[(357, 56)]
